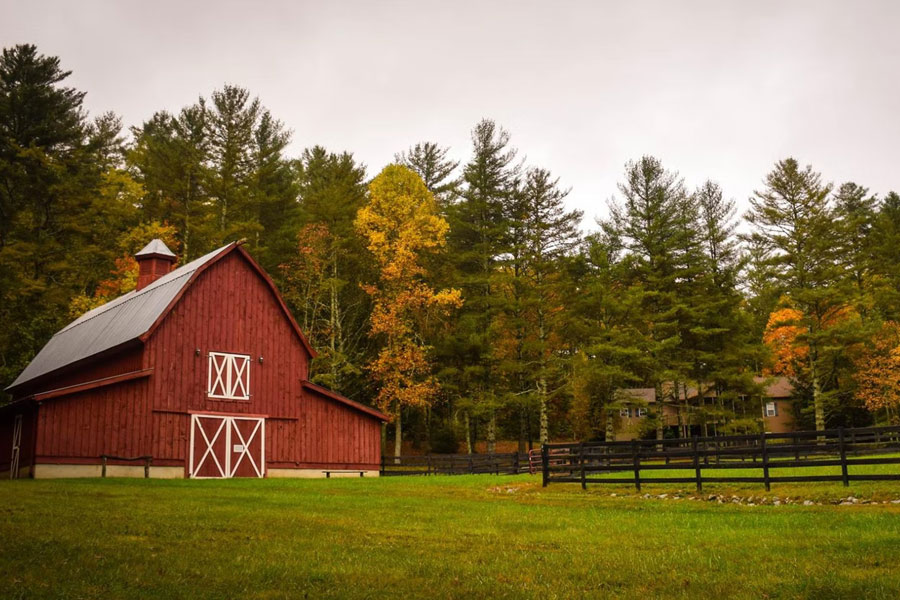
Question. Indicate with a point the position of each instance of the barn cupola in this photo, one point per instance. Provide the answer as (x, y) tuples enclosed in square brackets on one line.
[(154, 261)]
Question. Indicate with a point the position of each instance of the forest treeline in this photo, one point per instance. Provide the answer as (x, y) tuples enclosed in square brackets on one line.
[(539, 322)]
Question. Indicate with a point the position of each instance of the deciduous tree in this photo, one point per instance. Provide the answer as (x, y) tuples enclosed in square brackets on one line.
[(400, 224)]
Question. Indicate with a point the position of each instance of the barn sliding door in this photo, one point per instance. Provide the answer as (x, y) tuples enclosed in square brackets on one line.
[(227, 446), (16, 448)]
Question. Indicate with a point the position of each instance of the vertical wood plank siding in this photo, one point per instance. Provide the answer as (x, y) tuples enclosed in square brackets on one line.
[(229, 308)]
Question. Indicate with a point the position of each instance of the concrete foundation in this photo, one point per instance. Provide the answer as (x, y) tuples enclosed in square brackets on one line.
[(48, 471)]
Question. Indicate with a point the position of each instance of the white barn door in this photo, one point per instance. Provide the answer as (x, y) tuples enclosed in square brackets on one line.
[(16, 448), (227, 446)]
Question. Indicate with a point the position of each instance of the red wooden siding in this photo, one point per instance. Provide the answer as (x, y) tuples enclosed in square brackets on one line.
[(229, 308)]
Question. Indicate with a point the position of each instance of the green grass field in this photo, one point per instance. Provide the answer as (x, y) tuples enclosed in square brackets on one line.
[(442, 537)]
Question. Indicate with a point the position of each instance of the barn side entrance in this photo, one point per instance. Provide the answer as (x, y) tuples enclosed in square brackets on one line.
[(225, 446)]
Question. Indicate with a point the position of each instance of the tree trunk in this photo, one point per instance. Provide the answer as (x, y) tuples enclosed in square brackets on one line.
[(660, 416), (818, 400), (492, 433), (530, 438), (545, 420), (610, 434), (542, 378), (523, 429), (334, 323), (398, 437), (468, 434)]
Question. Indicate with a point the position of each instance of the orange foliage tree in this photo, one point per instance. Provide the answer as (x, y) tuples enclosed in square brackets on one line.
[(782, 336), (786, 336), (400, 223), (878, 372)]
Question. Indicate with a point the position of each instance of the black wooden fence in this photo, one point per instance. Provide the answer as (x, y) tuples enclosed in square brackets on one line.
[(769, 452), (455, 464)]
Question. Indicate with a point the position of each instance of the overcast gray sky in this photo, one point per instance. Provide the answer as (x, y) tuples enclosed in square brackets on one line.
[(715, 89)]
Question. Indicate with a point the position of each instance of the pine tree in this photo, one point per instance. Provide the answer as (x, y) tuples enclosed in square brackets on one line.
[(855, 209), (794, 222), (430, 162), (170, 156), (548, 235), (656, 226), (884, 258), (53, 164), (721, 336), (479, 232)]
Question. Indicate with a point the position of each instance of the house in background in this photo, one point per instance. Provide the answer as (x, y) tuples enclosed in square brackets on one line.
[(777, 405), (635, 404), (202, 368)]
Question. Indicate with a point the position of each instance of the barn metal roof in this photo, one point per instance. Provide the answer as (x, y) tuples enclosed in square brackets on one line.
[(121, 320)]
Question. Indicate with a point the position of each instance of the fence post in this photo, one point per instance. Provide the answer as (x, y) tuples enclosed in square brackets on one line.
[(382, 464), (147, 467), (637, 464), (516, 463), (697, 465), (844, 476), (103, 470), (471, 465), (581, 460), (545, 466), (765, 460)]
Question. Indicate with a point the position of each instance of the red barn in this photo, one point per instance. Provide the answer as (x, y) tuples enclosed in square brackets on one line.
[(202, 368)]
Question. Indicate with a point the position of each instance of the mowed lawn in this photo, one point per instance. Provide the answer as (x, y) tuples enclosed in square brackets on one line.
[(437, 537)]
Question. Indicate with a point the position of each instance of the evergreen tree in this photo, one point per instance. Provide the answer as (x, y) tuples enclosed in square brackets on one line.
[(794, 222), (170, 157), (479, 231), (725, 347), (547, 235), (430, 162), (53, 161), (884, 258), (656, 226)]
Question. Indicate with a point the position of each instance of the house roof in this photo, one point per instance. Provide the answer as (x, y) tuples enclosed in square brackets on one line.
[(133, 316), (774, 387), (636, 395)]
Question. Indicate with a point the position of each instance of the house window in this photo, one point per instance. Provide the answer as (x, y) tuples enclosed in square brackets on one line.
[(229, 376), (771, 409), (625, 412), (641, 412)]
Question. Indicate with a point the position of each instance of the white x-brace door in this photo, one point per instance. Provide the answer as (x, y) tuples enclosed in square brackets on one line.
[(16, 448), (221, 444)]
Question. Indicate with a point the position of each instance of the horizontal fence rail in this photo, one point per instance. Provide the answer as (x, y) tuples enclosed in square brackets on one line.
[(635, 461), (455, 464)]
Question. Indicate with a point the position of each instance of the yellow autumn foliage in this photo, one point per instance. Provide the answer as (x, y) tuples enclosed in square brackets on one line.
[(400, 223)]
